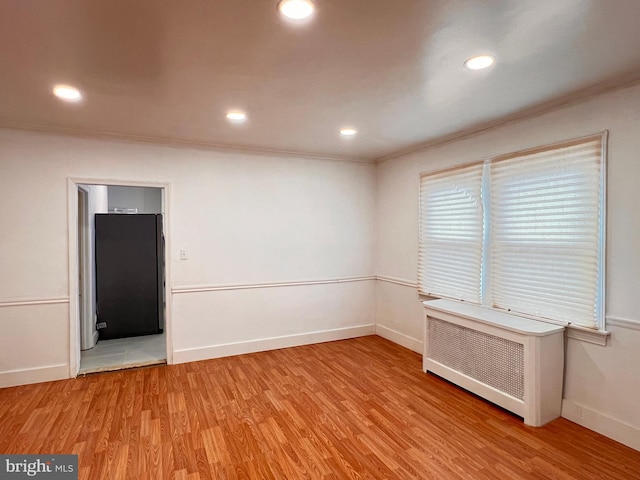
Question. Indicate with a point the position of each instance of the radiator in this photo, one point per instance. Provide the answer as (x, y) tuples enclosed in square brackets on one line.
[(512, 361)]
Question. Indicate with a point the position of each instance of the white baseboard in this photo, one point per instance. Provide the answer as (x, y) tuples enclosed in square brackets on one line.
[(49, 373), (274, 343), (604, 424), (399, 338)]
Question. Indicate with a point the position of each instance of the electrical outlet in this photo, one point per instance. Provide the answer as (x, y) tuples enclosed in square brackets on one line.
[(184, 255)]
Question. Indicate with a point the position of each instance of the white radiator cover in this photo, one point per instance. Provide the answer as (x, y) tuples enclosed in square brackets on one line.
[(512, 361)]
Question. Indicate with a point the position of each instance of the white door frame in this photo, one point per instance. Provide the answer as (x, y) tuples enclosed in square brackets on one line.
[(74, 317), (84, 287)]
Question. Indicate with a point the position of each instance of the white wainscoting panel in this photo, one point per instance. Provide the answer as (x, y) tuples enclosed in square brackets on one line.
[(34, 345), (214, 323)]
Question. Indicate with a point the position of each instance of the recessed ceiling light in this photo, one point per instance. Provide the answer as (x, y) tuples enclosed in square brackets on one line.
[(348, 132), (296, 9), (67, 93), (236, 116), (479, 62)]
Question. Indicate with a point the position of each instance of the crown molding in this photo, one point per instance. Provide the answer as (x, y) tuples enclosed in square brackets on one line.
[(577, 97), (619, 83), (176, 142)]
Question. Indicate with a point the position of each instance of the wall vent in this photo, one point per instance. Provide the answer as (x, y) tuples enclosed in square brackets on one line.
[(492, 360), (512, 361)]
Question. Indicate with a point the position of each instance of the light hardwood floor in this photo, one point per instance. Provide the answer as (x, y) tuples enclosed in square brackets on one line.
[(358, 408)]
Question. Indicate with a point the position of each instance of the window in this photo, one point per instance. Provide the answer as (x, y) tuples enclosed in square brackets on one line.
[(451, 232), (523, 232)]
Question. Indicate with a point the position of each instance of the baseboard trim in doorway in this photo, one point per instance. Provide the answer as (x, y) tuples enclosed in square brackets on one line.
[(274, 343), (604, 424), (399, 338), (49, 373)]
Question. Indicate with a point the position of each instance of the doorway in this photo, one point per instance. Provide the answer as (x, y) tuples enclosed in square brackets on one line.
[(90, 352)]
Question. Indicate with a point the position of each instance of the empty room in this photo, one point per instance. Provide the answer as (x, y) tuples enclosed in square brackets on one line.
[(320, 239)]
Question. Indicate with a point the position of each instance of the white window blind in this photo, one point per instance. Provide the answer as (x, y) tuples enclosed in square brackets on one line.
[(523, 232), (451, 230), (546, 220)]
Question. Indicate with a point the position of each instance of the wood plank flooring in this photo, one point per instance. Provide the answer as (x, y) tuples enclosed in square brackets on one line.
[(353, 409)]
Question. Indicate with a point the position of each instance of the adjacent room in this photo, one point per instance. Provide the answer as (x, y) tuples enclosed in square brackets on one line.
[(320, 238), (121, 288)]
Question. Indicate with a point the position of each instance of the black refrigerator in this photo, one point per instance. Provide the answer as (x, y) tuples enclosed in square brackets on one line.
[(129, 274)]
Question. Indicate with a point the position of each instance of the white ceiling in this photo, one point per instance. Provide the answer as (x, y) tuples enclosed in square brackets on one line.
[(167, 70)]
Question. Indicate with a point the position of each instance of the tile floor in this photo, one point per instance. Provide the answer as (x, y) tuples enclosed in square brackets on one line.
[(124, 353)]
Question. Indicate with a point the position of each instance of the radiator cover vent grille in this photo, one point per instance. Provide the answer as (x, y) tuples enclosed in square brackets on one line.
[(492, 360)]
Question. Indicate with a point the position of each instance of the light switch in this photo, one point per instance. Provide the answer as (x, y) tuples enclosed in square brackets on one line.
[(184, 255)]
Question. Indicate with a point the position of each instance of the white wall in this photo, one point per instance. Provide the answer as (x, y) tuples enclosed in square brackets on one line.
[(602, 385), (246, 220)]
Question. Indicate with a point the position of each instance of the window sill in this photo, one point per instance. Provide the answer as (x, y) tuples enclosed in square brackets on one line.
[(597, 337)]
